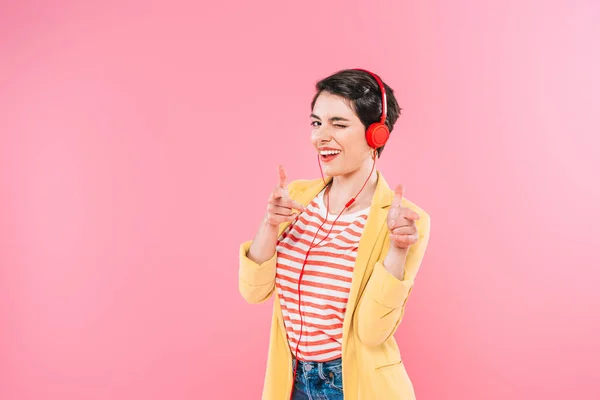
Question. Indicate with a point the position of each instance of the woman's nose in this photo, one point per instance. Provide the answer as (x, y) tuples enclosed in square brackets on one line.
[(322, 134)]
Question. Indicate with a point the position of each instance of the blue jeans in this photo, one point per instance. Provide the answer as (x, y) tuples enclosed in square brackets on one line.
[(318, 380)]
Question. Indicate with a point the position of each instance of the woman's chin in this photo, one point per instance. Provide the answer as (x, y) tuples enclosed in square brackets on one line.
[(332, 172), (328, 170)]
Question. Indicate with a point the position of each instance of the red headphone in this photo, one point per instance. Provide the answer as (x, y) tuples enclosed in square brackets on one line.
[(378, 132), (377, 135)]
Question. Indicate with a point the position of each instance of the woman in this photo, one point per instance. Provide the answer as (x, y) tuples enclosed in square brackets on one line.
[(341, 270)]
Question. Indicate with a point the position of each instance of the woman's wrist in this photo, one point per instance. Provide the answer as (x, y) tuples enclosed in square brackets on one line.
[(394, 261), (264, 244)]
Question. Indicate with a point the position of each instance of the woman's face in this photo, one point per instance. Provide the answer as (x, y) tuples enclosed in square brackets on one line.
[(336, 126)]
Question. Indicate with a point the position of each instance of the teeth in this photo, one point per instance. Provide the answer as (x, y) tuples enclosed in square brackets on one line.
[(330, 152)]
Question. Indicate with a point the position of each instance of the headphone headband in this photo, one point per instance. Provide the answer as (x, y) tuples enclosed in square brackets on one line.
[(383, 94)]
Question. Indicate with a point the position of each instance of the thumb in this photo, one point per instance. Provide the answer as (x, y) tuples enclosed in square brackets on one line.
[(398, 195), (282, 176)]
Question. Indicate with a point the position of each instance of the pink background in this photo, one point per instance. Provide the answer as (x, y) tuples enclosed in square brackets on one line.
[(139, 143)]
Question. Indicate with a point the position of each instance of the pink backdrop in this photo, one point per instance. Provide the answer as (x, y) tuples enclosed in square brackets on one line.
[(139, 143)]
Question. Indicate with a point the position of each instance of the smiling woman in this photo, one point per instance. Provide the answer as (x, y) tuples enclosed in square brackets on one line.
[(341, 267)]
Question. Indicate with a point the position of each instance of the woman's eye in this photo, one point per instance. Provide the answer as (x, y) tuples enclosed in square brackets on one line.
[(317, 122)]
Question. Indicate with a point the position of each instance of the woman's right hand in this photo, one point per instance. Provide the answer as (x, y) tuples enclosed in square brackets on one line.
[(279, 209), (280, 205)]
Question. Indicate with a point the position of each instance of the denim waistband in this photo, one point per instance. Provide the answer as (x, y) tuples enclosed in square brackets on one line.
[(330, 363)]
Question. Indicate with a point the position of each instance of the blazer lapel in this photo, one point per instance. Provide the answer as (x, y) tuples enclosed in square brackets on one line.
[(376, 222), (304, 198)]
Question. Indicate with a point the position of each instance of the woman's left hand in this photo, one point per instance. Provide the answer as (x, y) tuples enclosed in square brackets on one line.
[(401, 222)]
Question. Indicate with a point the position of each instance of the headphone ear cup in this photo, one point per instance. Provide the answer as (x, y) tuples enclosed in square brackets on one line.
[(377, 135)]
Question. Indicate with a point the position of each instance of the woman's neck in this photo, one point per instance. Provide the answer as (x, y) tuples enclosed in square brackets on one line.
[(345, 187)]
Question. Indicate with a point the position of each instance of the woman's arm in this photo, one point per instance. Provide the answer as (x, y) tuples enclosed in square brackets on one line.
[(264, 243), (257, 264), (381, 308)]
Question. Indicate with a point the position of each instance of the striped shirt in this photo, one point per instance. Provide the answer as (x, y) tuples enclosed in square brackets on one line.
[(326, 280)]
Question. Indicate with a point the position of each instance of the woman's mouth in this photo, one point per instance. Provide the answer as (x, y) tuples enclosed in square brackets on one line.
[(329, 155)]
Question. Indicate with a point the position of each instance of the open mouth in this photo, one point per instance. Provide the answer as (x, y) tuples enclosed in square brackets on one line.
[(329, 155)]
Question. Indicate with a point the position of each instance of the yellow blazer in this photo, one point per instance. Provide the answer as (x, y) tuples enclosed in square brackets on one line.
[(372, 367)]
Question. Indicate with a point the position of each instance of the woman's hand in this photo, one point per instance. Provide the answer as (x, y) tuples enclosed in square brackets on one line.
[(401, 223), (280, 205)]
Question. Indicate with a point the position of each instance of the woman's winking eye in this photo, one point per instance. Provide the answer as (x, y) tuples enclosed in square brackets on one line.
[(336, 125)]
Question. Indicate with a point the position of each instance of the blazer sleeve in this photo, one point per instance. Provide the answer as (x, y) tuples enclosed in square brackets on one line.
[(381, 308), (257, 281)]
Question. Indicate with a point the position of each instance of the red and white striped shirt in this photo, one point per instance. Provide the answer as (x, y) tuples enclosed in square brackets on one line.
[(326, 280)]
